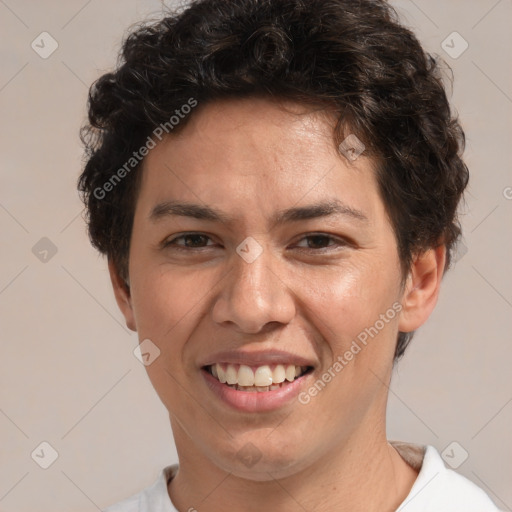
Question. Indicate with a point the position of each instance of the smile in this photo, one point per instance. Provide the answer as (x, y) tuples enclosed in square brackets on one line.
[(256, 378)]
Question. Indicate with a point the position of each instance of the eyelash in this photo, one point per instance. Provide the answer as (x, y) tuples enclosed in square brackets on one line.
[(339, 242)]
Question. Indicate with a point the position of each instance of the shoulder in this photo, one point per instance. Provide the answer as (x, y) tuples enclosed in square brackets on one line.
[(152, 499), (130, 504), (440, 488)]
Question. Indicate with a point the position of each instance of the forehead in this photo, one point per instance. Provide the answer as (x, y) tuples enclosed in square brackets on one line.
[(256, 153)]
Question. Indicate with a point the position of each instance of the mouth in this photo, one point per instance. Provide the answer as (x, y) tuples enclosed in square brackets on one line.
[(256, 379)]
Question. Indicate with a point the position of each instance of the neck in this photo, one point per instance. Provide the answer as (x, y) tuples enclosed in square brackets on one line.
[(356, 475)]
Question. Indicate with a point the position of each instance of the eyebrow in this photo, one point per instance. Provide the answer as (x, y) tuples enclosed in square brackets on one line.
[(203, 212)]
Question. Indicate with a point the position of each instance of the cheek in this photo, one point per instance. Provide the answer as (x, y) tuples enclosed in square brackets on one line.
[(343, 302), (166, 306), (163, 299)]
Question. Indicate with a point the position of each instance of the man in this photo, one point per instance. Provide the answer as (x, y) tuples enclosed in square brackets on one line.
[(275, 185)]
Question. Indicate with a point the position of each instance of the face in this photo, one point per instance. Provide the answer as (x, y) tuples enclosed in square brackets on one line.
[(260, 252)]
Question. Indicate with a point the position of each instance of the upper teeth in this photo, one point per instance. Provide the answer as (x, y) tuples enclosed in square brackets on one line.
[(244, 375)]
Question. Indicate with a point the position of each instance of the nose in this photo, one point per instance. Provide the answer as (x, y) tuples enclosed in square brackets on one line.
[(254, 295)]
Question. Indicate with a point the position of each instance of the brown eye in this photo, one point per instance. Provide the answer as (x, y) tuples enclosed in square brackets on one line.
[(322, 241), (318, 240), (192, 241)]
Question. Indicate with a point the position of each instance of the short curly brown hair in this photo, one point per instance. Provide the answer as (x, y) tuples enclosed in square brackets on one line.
[(354, 59)]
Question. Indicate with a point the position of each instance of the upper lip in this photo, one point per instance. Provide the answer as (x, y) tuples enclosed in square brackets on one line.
[(257, 358)]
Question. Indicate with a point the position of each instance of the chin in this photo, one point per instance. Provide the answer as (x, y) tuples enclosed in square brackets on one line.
[(261, 461)]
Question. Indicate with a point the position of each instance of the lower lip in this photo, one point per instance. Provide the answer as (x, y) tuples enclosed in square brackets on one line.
[(254, 401)]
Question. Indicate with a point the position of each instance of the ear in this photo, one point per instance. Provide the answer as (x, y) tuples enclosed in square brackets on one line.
[(422, 288), (122, 294)]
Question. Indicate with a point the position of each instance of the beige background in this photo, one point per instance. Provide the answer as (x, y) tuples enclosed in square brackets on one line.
[(67, 372)]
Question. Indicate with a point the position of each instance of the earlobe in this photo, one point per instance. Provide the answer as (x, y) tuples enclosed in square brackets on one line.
[(422, 288), (122, 295)]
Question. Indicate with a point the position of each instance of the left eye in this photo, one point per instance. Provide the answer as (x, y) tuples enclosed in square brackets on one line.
[(199, 241), (322, 239)]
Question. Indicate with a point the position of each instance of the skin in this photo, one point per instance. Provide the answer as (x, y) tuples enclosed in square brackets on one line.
[(250, 158)]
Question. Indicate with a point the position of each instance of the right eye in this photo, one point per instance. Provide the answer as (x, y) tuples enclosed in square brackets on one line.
[(192, 241)]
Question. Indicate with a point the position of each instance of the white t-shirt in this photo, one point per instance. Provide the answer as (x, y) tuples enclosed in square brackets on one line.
[(436, 489)]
